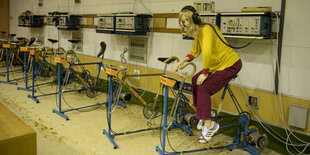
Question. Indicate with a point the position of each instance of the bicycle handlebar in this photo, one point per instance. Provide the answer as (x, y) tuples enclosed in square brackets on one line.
[(171, 59), (193, 71), (184, 75)]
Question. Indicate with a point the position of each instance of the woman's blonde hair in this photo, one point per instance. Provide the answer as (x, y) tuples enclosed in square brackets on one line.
[(192, 29)]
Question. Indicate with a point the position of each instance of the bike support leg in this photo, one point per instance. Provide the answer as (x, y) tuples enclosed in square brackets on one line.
[(61, 112), (161, 152), (7, 69), (25, 72)]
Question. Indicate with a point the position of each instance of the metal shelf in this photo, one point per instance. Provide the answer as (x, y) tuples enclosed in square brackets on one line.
[(245, 37)]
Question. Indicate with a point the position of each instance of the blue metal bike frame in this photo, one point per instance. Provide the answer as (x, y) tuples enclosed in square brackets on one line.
[(60, 111), (25, 72), (32, 96), (7, 69), (108, 133), (237, 141)]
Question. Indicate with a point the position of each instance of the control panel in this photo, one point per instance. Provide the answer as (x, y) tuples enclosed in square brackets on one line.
[(137, 23), (49, 20), (212, 18), (106, 23), (252, 24), (125, 23), (52, 18), (27, 19), (68, 22)]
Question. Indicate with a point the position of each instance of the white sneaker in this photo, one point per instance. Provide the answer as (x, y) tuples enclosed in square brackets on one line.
[(200, 124), (213, 114), (207, 134)]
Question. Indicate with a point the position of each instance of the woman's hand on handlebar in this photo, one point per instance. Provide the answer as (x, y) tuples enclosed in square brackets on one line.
[(202, 77), (180, 64)]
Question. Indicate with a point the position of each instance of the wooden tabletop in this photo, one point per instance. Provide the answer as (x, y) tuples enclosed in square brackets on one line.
[(11, 127)]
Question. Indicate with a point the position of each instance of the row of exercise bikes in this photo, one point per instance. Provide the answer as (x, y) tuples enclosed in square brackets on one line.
[(66, 67)]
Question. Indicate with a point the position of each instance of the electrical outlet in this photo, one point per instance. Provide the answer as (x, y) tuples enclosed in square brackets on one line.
[(136, 72), (40, 3), (252, 101), (97, 68), (40, 40)]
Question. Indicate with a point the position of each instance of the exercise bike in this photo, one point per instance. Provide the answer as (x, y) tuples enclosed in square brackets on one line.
[(242, 140), (90, 84)]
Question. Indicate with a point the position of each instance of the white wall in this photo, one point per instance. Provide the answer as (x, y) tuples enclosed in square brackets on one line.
[(296, 49), (258, 59)]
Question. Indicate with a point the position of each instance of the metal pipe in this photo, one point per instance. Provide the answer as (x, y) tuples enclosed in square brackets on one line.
[(280, 39)]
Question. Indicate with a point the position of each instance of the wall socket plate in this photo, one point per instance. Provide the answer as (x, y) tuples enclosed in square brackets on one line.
[(77, 35), (298, 116), (252, 101), (97, 68), (40, 3), (136, 72)]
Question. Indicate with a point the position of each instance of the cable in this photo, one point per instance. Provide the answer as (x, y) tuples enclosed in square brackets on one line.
[(11, 62), (161, 122), (285, 142), (168, 139), (109, 124), (259, 119), (107, 114), (193, 150), (150, 37), (38, 87), (288, 141), (293, 144), (87, 110), (281, 113), (234, 47)]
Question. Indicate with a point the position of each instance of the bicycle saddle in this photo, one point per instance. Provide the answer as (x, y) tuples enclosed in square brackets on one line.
[(3, 32), (52, 40), (20, 38), (28, 13), (12, 35), (103, 46), (164, 59), (54, 13), (32, 39), (55, 16), (74, 41)]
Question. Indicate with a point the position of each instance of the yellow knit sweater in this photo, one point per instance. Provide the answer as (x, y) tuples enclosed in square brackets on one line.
[(216, 55)]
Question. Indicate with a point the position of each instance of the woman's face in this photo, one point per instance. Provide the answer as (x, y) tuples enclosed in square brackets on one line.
[(184, 21)]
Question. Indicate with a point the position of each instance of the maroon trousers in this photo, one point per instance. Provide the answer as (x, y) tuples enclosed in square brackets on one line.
[(214, 83)]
